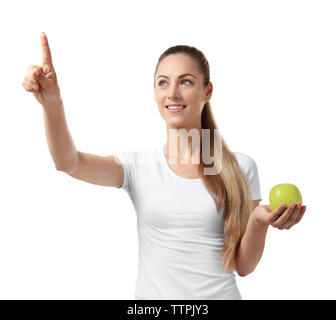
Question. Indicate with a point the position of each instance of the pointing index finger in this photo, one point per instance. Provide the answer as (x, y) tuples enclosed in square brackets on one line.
[(46, 54)]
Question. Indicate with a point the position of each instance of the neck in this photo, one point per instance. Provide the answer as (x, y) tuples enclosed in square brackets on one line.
[(184, 143)]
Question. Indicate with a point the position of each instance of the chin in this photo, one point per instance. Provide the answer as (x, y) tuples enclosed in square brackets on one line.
[(176, 124)]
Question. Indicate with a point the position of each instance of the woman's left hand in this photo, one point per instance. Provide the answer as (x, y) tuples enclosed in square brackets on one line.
[(286, 220)]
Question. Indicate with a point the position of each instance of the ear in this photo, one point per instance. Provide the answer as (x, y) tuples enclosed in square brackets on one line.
[(209, 90)]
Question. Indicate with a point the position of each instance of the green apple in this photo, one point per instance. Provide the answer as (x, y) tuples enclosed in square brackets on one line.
[(284, 193)]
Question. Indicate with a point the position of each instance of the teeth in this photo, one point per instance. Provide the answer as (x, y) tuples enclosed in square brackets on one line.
[(175, 107)]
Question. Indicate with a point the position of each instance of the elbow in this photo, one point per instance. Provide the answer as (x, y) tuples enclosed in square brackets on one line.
[(244, 266), (60, 169), (66, 170), (243, 272), (68, 165)]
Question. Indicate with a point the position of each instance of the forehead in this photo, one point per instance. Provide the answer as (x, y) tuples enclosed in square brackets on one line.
[(176, 64)]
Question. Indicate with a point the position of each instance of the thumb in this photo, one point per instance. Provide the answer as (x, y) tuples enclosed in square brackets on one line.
[(47, 69), (42, 79), (278, 211)]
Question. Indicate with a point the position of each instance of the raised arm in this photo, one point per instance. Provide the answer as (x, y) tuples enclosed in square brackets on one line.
[(42, 82)]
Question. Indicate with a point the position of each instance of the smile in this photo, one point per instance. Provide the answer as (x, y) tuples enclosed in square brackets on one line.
[(175, 108)]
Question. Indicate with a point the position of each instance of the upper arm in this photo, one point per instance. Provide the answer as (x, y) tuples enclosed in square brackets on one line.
[(100, 170), (255, 203)]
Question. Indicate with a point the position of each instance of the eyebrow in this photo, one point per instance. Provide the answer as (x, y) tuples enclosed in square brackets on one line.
[(182, 75)]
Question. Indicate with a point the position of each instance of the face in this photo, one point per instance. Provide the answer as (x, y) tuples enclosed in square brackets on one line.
[(188, 90)]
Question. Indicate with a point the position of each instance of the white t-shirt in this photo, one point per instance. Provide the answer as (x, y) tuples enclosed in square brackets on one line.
[(180, 232)]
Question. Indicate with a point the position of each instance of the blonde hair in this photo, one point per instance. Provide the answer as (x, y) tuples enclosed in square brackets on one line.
[(229, 188)]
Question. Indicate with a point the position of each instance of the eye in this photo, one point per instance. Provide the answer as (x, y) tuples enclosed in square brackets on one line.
[(187, 80), (181, 81)]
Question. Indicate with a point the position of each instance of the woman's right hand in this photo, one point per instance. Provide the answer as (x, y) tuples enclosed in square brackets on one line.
[(42, 80)]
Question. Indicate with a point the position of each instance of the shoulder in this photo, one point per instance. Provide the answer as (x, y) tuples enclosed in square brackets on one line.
[(243, 159), (249, 168), (247, 164)]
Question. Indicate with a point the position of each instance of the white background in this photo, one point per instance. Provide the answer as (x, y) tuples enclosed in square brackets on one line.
[(272, 66)]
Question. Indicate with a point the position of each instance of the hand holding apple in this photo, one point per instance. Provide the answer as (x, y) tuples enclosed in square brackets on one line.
[(278, 218), (285, 207)]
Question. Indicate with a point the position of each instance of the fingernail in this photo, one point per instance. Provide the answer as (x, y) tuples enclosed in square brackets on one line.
[(35, 86), (37, 73)]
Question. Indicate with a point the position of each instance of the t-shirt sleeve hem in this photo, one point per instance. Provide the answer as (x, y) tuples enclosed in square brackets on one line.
[(122, 159)]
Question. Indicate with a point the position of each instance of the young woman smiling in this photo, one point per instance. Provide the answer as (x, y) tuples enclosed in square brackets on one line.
[(194, 229)]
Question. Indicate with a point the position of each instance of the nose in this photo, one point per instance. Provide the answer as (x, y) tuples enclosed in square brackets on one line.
[(174, 93)]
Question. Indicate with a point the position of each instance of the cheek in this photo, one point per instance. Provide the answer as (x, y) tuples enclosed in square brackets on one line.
[(160, 100), (162, 111), (193, 99)]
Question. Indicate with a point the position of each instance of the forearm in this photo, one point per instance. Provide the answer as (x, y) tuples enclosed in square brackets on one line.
[(60, 143), (251, 246)]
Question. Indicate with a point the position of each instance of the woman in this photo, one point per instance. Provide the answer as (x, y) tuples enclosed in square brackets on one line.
[(195, 227)]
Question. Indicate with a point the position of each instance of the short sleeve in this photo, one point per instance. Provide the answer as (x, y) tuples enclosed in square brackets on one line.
[(250, 169), (126, 159)]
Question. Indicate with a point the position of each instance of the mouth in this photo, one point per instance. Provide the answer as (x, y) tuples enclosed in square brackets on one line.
[(175, 108)]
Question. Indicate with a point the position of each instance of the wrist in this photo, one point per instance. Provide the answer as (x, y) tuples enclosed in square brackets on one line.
[(53, 104), (258, 221)]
